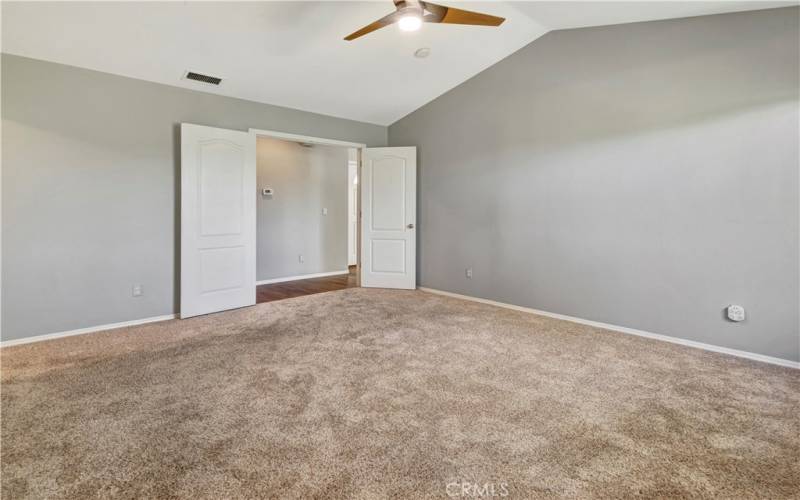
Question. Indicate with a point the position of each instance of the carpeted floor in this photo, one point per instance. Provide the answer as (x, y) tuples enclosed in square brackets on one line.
[(375, 393)]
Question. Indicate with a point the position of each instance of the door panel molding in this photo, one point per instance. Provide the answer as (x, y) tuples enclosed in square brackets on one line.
[(218, 220), (389, 201)]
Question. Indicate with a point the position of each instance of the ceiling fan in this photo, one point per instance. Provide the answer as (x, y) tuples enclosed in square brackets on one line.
[(410, 14)]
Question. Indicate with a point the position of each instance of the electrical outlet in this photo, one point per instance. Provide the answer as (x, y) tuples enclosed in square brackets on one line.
[(301, 259), (324, 211), (468, 272), (137, 290), (735, 313)]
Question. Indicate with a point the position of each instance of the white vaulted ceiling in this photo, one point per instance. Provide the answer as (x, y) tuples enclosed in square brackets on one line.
[(292, 53)]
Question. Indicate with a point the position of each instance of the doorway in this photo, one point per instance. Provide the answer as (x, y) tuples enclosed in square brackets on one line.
[(219, 195), (306, 218)]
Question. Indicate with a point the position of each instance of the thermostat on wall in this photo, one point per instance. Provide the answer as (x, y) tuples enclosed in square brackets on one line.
[(267, 192)]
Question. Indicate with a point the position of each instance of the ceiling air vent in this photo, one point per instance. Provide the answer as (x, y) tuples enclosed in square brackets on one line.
[(213, 80)]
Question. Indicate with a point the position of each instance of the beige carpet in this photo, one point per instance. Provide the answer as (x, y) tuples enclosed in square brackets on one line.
[(375, 394)]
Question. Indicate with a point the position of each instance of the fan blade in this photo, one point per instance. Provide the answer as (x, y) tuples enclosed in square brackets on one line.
[(380, 23), (450, 15)]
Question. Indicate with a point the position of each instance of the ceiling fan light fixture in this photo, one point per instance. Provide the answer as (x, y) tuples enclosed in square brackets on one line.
[(410, 14), (410, 22)]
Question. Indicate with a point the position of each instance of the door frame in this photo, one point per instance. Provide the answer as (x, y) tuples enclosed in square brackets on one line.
[(255, 133), (357, 201)]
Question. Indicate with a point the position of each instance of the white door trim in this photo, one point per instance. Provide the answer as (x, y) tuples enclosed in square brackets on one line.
[(305, 138), (352, 213)]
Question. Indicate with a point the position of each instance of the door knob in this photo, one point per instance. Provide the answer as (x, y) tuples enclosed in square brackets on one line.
[(410, 226)]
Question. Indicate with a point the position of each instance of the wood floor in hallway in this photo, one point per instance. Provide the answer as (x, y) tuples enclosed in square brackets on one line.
[(289, 289)]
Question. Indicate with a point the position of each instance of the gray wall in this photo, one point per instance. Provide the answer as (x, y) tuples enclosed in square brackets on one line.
[(90, 191), (643, 175), (290, 222)]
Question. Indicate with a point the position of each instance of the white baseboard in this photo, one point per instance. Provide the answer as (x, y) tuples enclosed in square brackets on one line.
[(302, 277), (90, 329), (622, 329)]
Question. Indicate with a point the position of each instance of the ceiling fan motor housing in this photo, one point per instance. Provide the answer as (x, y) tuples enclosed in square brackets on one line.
[(410, 9)]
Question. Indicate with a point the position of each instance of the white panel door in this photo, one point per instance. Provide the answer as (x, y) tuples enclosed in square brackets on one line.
[(218, 220), (389, 218)]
